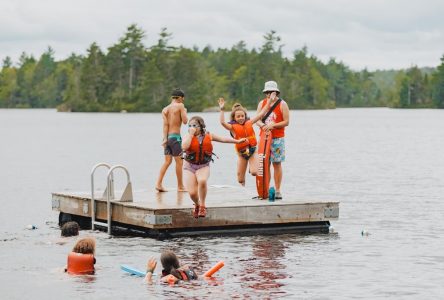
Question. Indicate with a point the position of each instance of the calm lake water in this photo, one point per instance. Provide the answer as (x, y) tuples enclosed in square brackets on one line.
[(385, 166)]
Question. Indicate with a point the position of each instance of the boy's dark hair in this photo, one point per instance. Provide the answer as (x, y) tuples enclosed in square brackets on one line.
[(177, 93), (70, 229)]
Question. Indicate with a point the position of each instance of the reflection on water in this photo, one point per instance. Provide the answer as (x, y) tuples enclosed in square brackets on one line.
[(264, 270), (384, 166)]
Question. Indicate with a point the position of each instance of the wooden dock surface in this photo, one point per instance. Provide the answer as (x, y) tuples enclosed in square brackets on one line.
[(228, 209)]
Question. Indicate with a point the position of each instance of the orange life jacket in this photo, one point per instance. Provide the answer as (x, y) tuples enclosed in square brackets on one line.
[(244, 131), (200, 153), (185, 275), (276, 117), (80, 264)]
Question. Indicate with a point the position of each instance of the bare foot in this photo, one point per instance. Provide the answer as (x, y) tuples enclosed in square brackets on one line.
[(161, 189), (181, 189)]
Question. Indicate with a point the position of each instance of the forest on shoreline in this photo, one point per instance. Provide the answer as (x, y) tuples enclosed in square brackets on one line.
[(129, 76)]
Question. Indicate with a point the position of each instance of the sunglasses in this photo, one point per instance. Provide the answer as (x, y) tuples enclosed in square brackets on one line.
[(268, 93), (193, 125)]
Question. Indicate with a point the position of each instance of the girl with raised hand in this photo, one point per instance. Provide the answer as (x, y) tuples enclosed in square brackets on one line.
[(241, 127)]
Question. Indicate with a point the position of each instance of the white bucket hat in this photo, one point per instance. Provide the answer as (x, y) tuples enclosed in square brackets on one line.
[(271, 86)]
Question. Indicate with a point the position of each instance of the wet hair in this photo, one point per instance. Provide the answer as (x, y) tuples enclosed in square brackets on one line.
[(70, 229), (177, 92), (170, 263), (237, 107), (85, 246), (200, 122)]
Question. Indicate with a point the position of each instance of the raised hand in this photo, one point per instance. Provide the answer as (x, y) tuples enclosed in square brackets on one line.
[(151, 265), (192, 130), (272, 96), (221, 102)]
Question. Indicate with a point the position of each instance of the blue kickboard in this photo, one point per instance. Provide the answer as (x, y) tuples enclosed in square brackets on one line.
[(132, 271)]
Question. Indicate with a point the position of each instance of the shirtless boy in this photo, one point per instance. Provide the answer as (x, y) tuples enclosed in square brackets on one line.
[(173, 116)]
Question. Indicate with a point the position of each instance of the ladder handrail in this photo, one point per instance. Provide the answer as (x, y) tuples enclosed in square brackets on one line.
[(110, 194), (109, 187)]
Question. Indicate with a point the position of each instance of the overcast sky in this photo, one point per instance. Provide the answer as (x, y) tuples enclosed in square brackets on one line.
[(377, 34)]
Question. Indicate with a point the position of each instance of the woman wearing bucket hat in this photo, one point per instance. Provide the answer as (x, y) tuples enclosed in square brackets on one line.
[(275, 121)]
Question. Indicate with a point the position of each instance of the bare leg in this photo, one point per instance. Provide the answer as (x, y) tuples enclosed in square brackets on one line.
[(202, 178), (163, 169), (277, 167), (253, 162), (241, 169), (191, 185), (179, 167)]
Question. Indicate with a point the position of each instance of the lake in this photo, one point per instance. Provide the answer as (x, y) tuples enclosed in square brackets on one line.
[(384, 166)]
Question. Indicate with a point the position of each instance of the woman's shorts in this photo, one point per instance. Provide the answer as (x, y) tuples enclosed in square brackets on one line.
[(193, 167)]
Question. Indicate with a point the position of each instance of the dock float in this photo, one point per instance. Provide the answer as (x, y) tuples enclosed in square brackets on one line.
[(230, 210)]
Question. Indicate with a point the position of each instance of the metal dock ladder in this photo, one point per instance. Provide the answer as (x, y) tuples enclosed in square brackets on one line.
[(127, 195)]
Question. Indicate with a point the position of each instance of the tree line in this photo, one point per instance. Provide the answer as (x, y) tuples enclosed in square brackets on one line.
[(132, 77)]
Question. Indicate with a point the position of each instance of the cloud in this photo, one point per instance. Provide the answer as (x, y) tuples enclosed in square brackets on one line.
[(375, 34)]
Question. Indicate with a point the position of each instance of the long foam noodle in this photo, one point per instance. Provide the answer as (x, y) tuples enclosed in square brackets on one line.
[(133, 271), (214, 269)]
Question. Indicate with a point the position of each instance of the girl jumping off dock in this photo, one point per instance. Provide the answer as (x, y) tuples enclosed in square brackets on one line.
[(240, 126), (198, 152)]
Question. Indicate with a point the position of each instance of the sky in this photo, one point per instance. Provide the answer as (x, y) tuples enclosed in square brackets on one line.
[(372, 34)]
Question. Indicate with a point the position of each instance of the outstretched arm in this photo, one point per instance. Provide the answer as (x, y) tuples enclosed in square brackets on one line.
[(264, 110), (223, 139), (227, 126)]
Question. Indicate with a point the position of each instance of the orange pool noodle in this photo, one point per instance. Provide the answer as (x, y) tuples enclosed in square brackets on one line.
[(214, 269)]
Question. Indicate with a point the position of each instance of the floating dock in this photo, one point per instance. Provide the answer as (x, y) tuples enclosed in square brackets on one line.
[(230, 210)]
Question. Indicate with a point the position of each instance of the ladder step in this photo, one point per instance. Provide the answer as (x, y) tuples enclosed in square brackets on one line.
[(101, 223)]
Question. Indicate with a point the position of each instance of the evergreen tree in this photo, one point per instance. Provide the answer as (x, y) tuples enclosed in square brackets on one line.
[(25, 76), (8, 83), (438, 85), (7, 62), (93, 79)]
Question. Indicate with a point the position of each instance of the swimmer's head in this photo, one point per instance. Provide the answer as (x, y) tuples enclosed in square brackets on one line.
[(70, 229), (169, 261), (85, 246)]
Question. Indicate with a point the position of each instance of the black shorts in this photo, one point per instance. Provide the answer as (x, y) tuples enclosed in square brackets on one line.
[(174, 145), (247, 152)]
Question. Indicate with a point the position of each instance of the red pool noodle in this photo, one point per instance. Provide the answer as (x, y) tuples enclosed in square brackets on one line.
[(214, 269)]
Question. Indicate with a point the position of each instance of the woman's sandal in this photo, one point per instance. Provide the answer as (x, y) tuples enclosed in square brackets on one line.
[(202, 211), (196, 211)]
